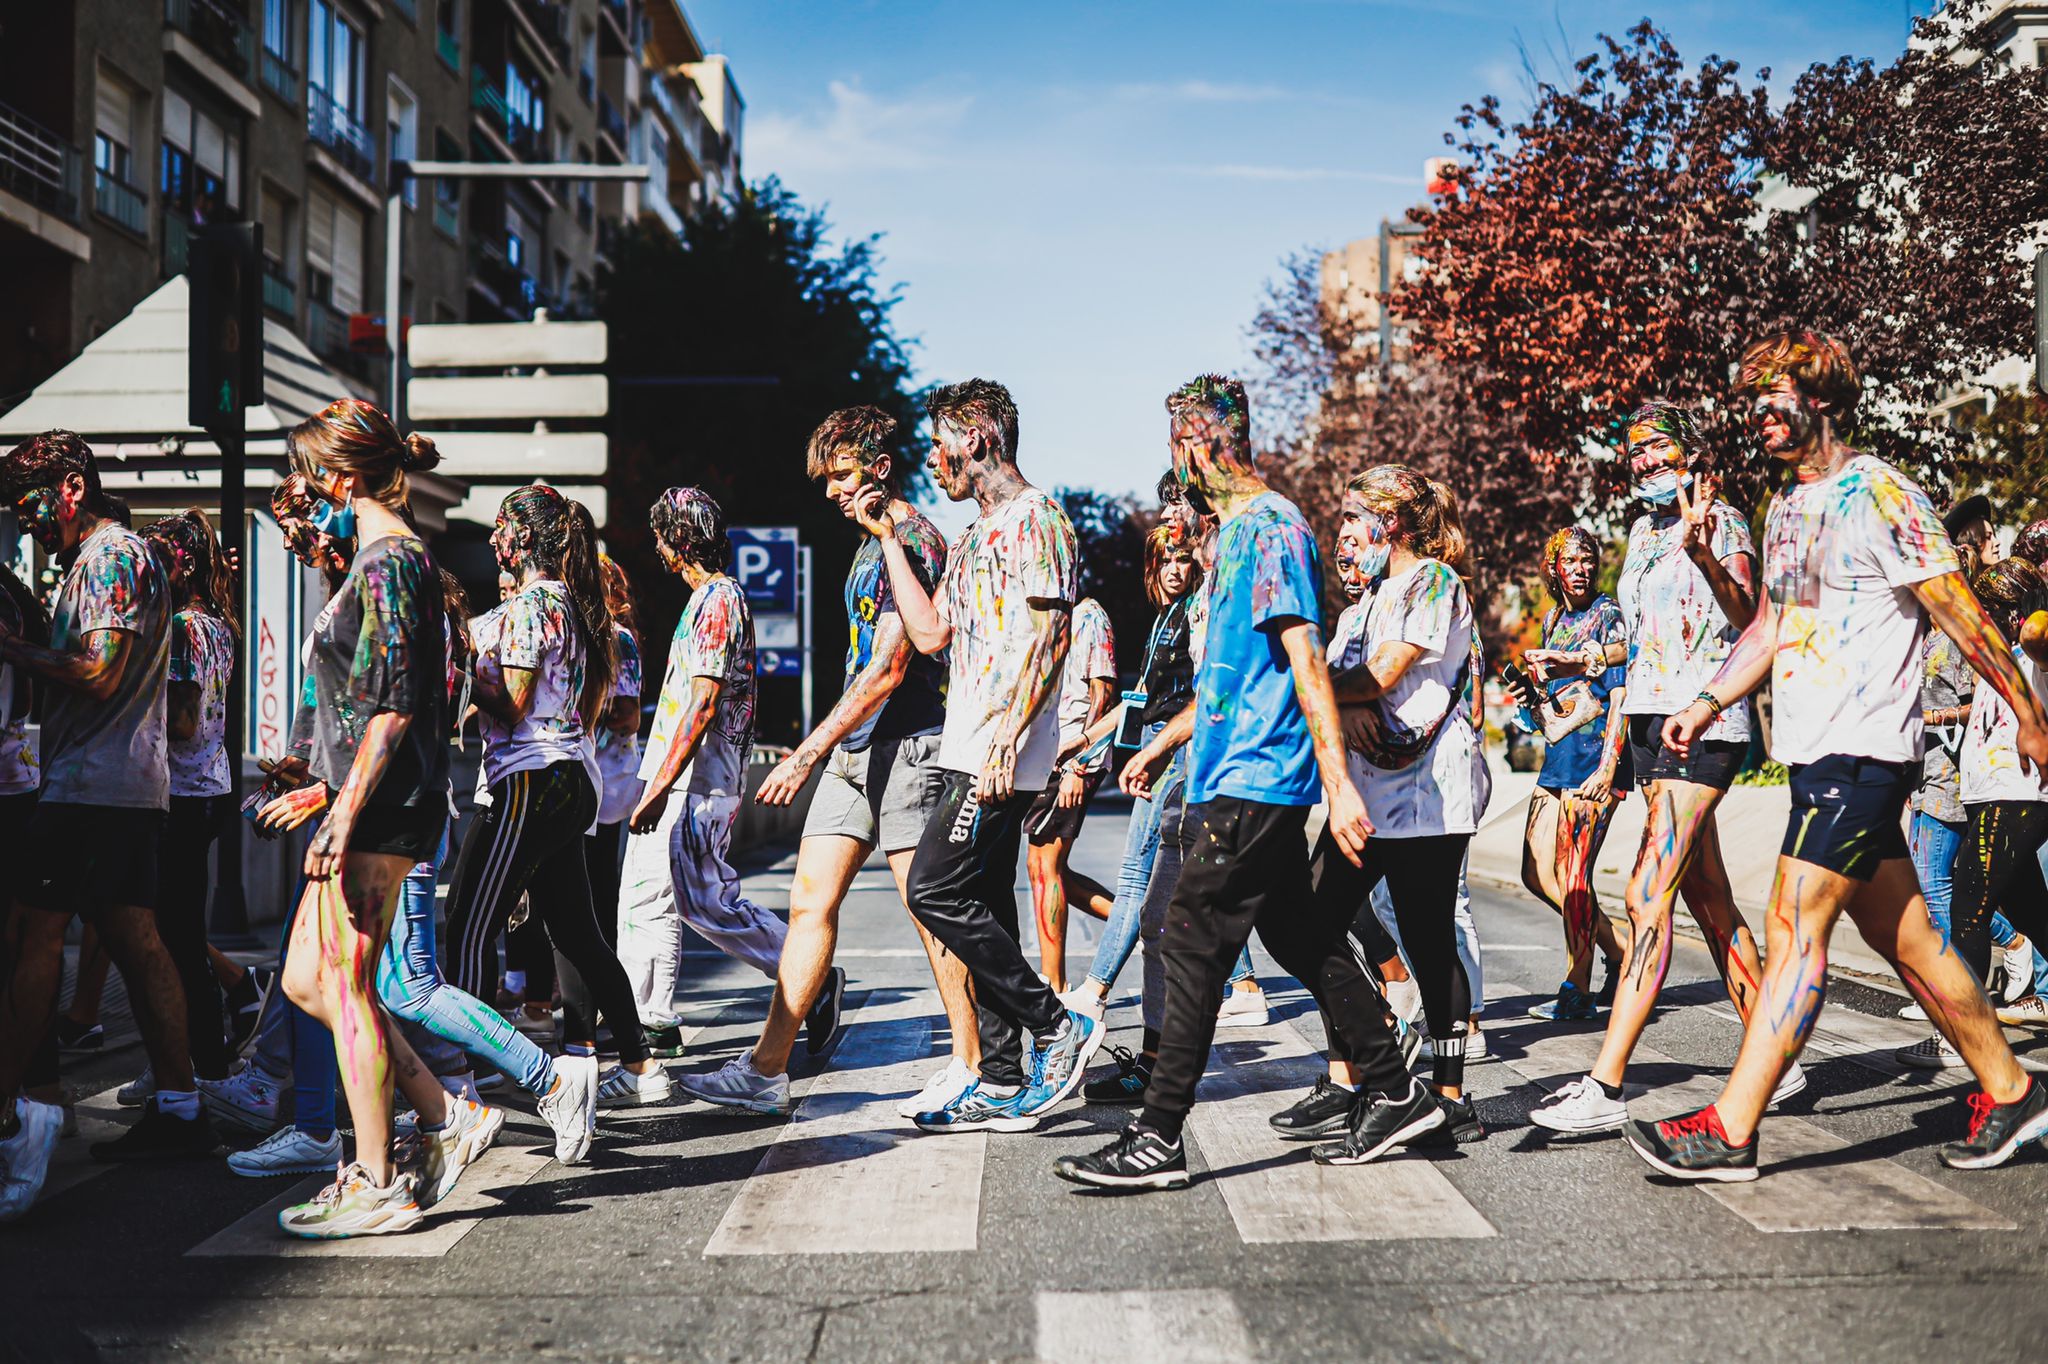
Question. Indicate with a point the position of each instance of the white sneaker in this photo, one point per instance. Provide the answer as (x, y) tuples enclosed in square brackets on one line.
[(946, 1085), (1242, 1009), (736, 1084), (1930, 1053), (1790, 1083), (247, 1099), (1404, 997), (469, 1132), (1580, 1106), (567, 1107), (2017, 959), (1475, 1046), (621, 1088), (1083, 999), (25, 1156), (1914, 1013), (136, 1092), (2030, 1012), (288, 1151)]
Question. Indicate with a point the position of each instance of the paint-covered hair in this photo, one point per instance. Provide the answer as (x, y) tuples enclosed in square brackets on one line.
[(1162, 542), (43, 461), (862, 432), (1571, 537), (979, 405), (1171, 493), (1675, 421), (190, 534), (1419, 511), (2031, 543), (1819, 365), (563, 542), (1214, 408), (2011, 590), (351, 436), (689, 523), (618, 594)]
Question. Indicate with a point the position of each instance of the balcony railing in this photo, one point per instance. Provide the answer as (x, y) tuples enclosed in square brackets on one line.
[(487, 99), (122, 203), (551, 21), (512, 287), (36, 165), (683, 112), (220, 32), (326, 331), (449, 47), (279, 78), (278, 293), (447, 217), (334, 128), (609, 121)]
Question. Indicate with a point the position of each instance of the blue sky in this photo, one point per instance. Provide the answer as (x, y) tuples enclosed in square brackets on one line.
[(1083, 199)]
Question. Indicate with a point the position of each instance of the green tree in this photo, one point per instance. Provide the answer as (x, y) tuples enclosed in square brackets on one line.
[(1111, 531), (729, 345)]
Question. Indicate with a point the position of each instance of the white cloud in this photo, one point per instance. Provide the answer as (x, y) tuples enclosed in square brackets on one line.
[(1299, 174), (856, 133), (1206, 92)]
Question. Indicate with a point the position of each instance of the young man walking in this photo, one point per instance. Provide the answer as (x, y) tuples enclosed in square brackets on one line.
[(879, 747), (1265, 744), (1854, 563), (92, 843), (1002, 613)]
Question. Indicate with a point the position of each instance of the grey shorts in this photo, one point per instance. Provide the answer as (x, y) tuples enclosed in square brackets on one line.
[(883, 795)]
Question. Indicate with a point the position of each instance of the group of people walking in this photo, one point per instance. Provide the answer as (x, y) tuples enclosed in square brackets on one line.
[(980, 714)]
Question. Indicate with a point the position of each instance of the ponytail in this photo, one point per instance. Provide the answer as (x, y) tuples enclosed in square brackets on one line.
[(1421, 512)]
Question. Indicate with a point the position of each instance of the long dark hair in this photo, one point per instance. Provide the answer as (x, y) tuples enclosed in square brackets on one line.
[(190, 533), (565, 548)]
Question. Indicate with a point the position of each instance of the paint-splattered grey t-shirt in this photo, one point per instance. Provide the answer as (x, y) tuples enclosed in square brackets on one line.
[(111, 751)]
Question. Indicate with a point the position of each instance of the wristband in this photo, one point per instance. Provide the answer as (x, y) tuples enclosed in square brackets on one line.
[(1712, 703)]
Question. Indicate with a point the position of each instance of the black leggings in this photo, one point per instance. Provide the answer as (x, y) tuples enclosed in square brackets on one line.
[(1422, 878), (183, 883), (604, 853), (1998, 870), (15, 813), (530, 839)]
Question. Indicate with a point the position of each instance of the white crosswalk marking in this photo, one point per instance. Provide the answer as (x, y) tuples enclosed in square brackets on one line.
[(849, 1174), (1278, 1194), (100, 1118), (1801, 1187), (1186, 1326)]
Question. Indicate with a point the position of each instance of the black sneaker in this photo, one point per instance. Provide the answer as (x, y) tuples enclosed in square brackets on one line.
[(1693, 1146), (79, 1036), (1998, 1130), (1324, 1111), (1461, 1125), (1127, 1086), (1382, 1122), (821, 1025), (664, 1040), (159, 1136), (1138, 1159), (1610, 976), (245, 1006)]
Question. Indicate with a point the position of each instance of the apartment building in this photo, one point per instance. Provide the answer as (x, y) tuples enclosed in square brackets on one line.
[(125, 124)]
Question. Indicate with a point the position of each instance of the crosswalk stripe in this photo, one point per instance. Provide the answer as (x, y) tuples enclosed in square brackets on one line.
[(1871, 1042), (848, 1175), (71, 1164), (1801, 1187), (1189, 1326), (1275, 1195)]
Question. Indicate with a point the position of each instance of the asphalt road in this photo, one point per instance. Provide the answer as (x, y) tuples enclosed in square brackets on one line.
[(844, 1234)]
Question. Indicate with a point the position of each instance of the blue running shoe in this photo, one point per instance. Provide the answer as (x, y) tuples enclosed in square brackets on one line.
[(974, 1111), (1057, 1070)]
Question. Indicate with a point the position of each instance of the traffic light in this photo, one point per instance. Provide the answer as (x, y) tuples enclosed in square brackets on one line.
[(225, 344)]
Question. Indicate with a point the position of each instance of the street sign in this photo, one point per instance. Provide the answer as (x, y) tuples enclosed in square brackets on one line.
[(765, 562), (779, 663), (774, 630), (494, 398), (497, 345)]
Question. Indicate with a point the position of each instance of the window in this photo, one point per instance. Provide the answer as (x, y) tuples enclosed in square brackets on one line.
[(515, 240), (447, 192), (334, 253), (274, 212), (586, 59), (277, 29), (114, 132), (334, 58), (201, 165), (448, 19), (525, 98), (402, 119)]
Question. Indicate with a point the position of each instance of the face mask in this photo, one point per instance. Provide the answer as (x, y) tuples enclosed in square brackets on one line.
[(1371, 560), (336, 521), (1661, 488)]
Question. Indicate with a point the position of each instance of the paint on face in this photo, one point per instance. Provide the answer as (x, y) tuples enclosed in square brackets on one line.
[(845, 479), (39, 512), (1657, 464), (1176, 570), (1786, 419), (1571, 559), (1365, 534), (508, 544), (952, 455)]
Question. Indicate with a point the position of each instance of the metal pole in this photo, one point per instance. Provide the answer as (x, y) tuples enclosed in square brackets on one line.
[(230, 904), (803, 588), (394, 242)]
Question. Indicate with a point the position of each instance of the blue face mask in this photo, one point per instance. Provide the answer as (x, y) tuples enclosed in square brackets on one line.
[(338, 522), (1371, 560), (1661, 488)]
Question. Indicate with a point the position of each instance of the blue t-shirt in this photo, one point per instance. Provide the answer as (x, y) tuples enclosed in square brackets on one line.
[(1251, 740), (1572, 759), (918, 705)]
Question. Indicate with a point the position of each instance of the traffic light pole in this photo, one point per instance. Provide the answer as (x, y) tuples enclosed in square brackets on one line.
[(230, 907)]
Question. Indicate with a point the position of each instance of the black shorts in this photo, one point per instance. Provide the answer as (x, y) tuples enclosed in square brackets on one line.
[(1714, 762), (1847, 813), (409, 831), (1046, 821), (86, 859)]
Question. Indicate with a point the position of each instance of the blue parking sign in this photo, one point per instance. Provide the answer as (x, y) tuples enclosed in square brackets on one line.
[(765, 563)]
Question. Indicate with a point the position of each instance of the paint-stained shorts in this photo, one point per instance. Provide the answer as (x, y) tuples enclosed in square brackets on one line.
[(882, 795), (1848, 812), (1712, 762), (86, 859), (1046, 820)]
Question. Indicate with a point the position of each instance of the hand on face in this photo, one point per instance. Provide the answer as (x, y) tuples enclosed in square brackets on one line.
[(871, 511)]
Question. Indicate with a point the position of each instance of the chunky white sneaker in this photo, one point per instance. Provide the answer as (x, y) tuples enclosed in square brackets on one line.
[(2030, 1012), (1475, 1046), (25, 1156), (1790, 1083), (247, 1099), (136, 1092), (621, 1088), (353, 1206), (567, 1107), (288, 1151), (1930, 1053), (1580, 1106), (1913, 1013), (1243, 1009), (947, 1084), (736, 1084), (2017, 960), (469, 1132)]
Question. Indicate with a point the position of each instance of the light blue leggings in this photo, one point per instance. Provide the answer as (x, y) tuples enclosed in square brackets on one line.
[(1934, 844)]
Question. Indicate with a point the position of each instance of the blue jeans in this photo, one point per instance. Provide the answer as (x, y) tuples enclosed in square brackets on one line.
[(1934, 844)]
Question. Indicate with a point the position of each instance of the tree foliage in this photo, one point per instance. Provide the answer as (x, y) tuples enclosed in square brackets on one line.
[(1111, 532), (729, 345)]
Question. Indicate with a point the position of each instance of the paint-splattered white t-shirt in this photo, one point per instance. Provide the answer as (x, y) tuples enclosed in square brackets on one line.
[(1841, 556), (1023, 550), (1991, 757), (202, 654), (715, 639), (1678, 636), (534, 630), (1091, 653)]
